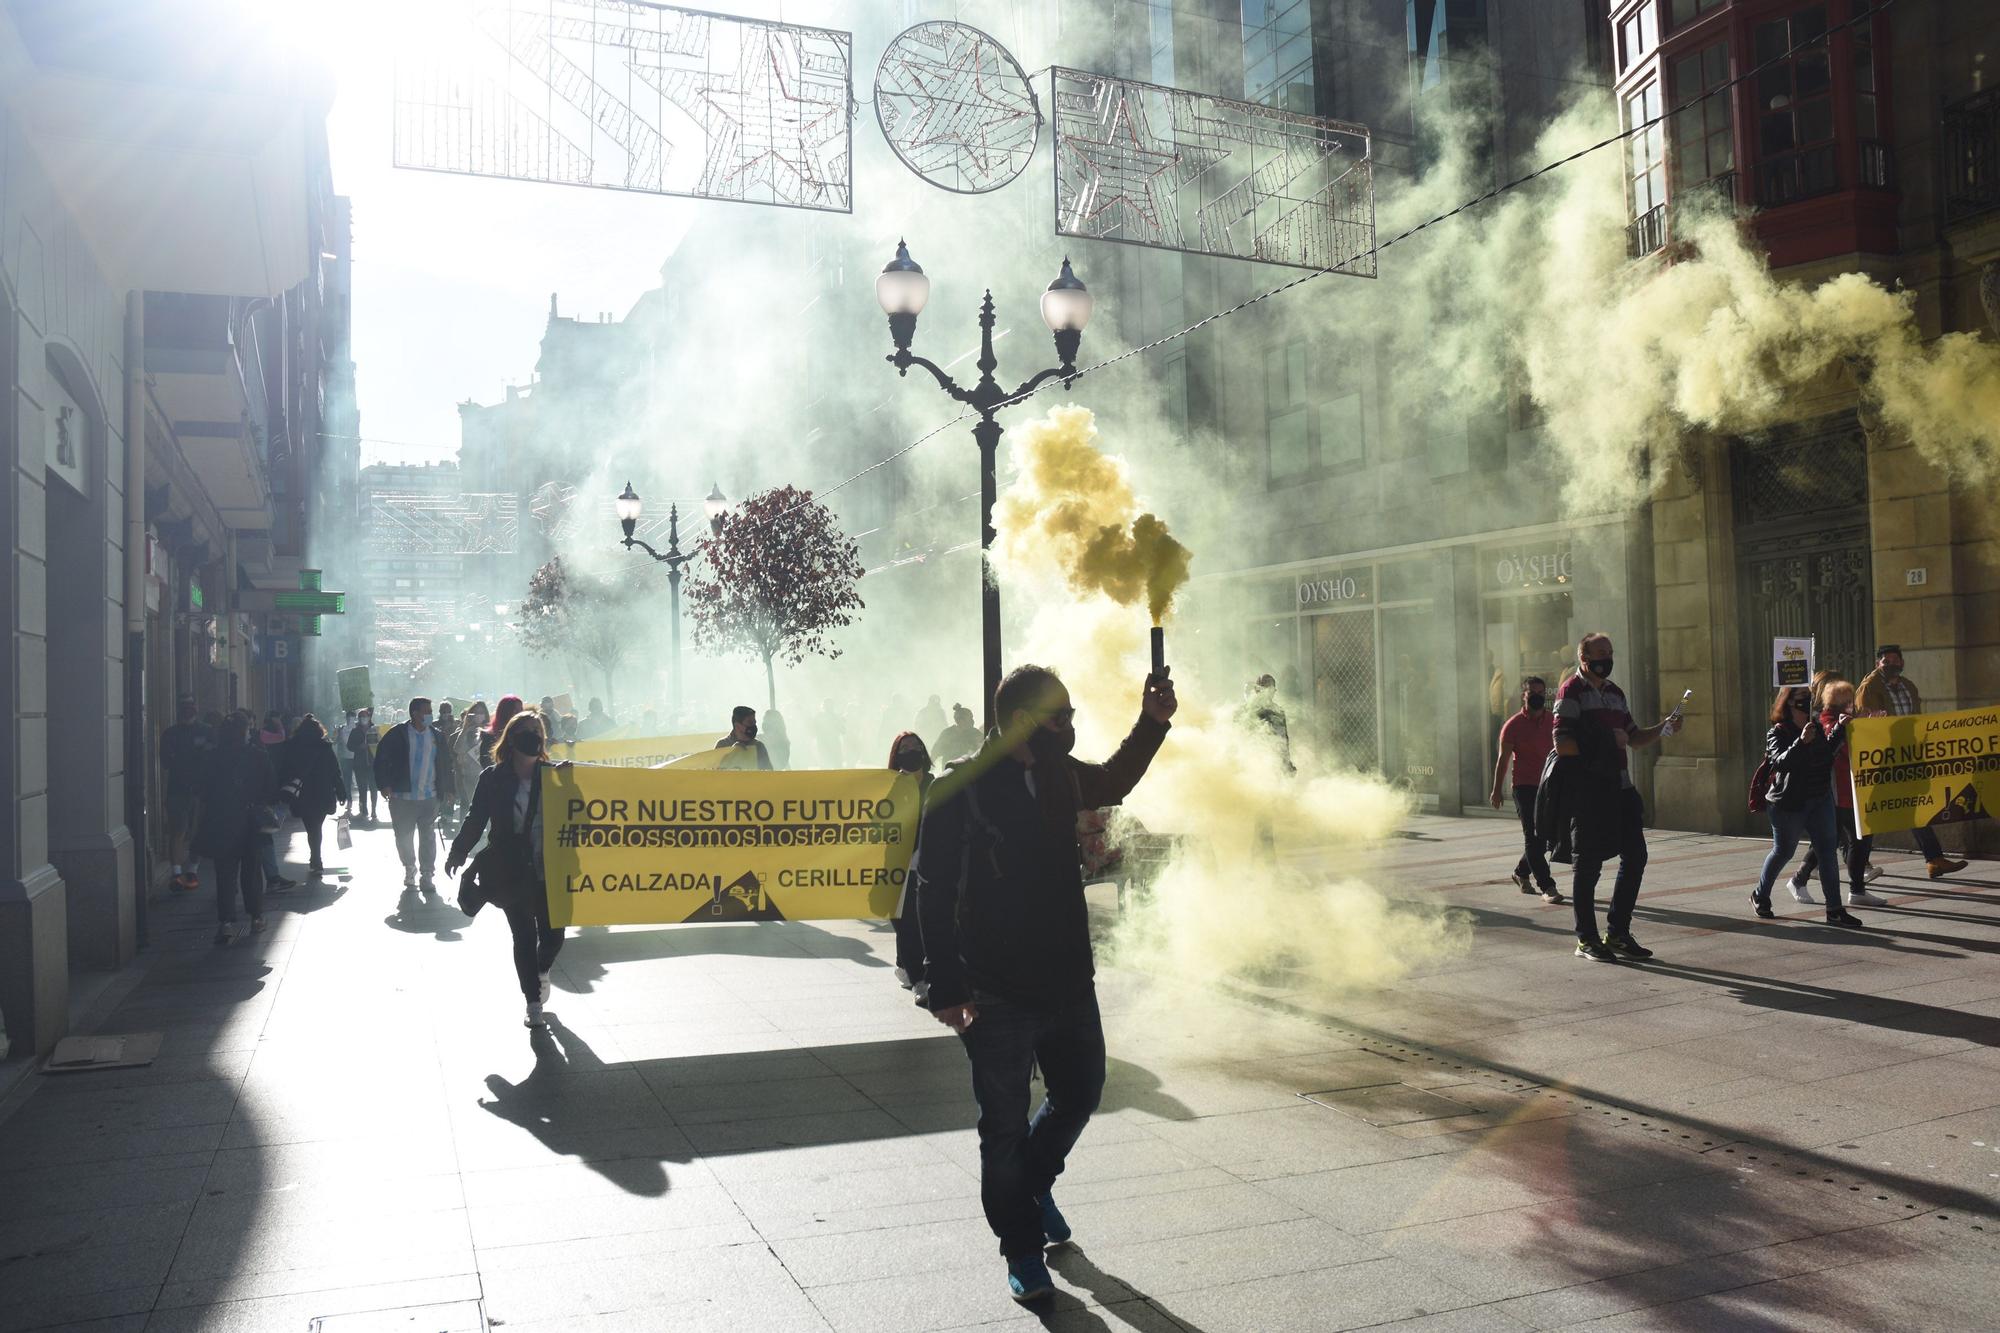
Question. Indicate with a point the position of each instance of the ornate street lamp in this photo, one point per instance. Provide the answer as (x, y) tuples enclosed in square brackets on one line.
[(715, 505), (629, 507), (903, 290)]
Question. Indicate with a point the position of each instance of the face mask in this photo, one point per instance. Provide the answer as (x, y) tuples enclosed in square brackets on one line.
[(1535, 702), (420, 721), (1600, 668), (1048, 746), (910, 761), (529, 744), (1888, 670), (750, 732)]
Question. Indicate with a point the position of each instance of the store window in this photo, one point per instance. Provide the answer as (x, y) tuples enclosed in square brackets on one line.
[(1875, 161), (1704, 134), (1277, 53), (1646, 166), (1343, 439), (1797, 156)]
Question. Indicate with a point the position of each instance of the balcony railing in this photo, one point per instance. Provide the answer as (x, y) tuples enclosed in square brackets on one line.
[(1970, 138), (1647, 233), (1796, 176)]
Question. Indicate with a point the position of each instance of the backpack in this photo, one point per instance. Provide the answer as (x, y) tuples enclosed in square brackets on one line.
[(1760, 786)]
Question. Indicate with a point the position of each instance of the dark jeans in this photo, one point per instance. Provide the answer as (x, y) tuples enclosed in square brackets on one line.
[(1020, 1158), (1533, 862), (1814, 822), (1854, 852), (1630, 813), (365, 798), (1927, 843), (243, 868), (536, 943), (315, 830)]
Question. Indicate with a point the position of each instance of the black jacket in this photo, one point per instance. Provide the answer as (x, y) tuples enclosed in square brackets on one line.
[(999, 875), (184, 747), (234, 782), (507, 867), (1801, 763), (309, 760), (392, 763)]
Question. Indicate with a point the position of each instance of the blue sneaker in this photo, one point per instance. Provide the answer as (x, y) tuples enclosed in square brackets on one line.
[(1028, 1278), (1055, 1227)]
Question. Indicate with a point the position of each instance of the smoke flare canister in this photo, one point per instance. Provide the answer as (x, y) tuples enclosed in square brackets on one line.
[(1159, 652)]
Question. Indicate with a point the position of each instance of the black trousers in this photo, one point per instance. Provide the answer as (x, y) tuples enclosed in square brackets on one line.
[(1020, 1156), (315, 831), (909, 939), (536, 942), (1628, 840), (1533, 863), (1856, 852), (241, 870)]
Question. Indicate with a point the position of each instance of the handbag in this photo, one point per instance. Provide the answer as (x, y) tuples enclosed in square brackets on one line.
[(1760, 786), (343, 833)]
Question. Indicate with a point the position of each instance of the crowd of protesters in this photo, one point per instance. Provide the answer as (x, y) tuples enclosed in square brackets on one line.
[(1572, 790)]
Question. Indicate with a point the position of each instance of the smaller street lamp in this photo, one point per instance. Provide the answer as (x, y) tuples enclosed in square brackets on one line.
[(630, 506), (715, 504)]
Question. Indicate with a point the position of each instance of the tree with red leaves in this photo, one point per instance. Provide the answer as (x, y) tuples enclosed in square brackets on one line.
[(776, 579), (567, 611)]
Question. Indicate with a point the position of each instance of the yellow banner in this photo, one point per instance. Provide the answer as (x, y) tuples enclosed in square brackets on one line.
[(641, 752), (626, 846), (1925, 769)]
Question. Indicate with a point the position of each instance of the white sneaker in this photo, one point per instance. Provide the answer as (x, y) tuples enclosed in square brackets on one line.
[(1800, 891), (545, 990), (1871, 874), (1866, 899), (409, 879), (534, 1019)]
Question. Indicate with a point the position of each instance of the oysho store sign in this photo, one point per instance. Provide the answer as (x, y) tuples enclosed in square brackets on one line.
[(1329, 589), (1539, 567)]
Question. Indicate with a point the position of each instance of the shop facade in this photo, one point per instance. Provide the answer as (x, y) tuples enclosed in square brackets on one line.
[(1404, 661)]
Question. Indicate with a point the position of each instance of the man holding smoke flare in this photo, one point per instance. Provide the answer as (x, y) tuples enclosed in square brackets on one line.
[(1006, 938)]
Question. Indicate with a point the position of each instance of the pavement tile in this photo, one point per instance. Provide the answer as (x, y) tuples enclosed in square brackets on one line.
[(948, 1297), (245, 1313), (601, 1214), (1357, 1295), (110, 1308), (677, 1287), (1220, 1258)]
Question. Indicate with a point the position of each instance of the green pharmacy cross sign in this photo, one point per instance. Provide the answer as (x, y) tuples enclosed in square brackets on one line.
[(310, 602)]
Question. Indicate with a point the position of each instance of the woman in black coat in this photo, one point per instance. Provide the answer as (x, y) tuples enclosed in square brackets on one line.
[(506, 805), (237, 786), (1801, 750), (309, 762)]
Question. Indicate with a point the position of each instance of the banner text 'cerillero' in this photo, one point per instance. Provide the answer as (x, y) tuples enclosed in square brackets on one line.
[(1924, 769), (624, 846)]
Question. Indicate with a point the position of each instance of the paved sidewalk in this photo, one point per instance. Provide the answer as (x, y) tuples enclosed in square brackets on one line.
[(1772, 1125)]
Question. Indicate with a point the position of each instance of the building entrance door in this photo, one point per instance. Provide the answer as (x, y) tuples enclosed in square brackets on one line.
[(1801, 556), (1343, 659)]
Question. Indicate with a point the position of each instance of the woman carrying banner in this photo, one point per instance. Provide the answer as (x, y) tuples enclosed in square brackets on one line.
[(1800, 749), (508, 872), (1836, 696), (907, 754)]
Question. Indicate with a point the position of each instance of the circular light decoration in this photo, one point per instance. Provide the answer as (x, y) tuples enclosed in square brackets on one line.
[(956, 107)]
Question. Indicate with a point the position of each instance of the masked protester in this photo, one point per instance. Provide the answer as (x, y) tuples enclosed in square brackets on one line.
[(1802, 750), (503, 713), (507, 804), (907, 754), (1525, 741), (1595, 733), (1007, 959), (743, 735)]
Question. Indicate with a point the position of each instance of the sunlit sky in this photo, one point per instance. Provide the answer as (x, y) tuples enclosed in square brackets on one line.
[(452, 274)]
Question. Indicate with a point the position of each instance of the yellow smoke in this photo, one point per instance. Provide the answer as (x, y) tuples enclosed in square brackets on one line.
[(1624, 357), (1248, 889), (1073, 506)]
